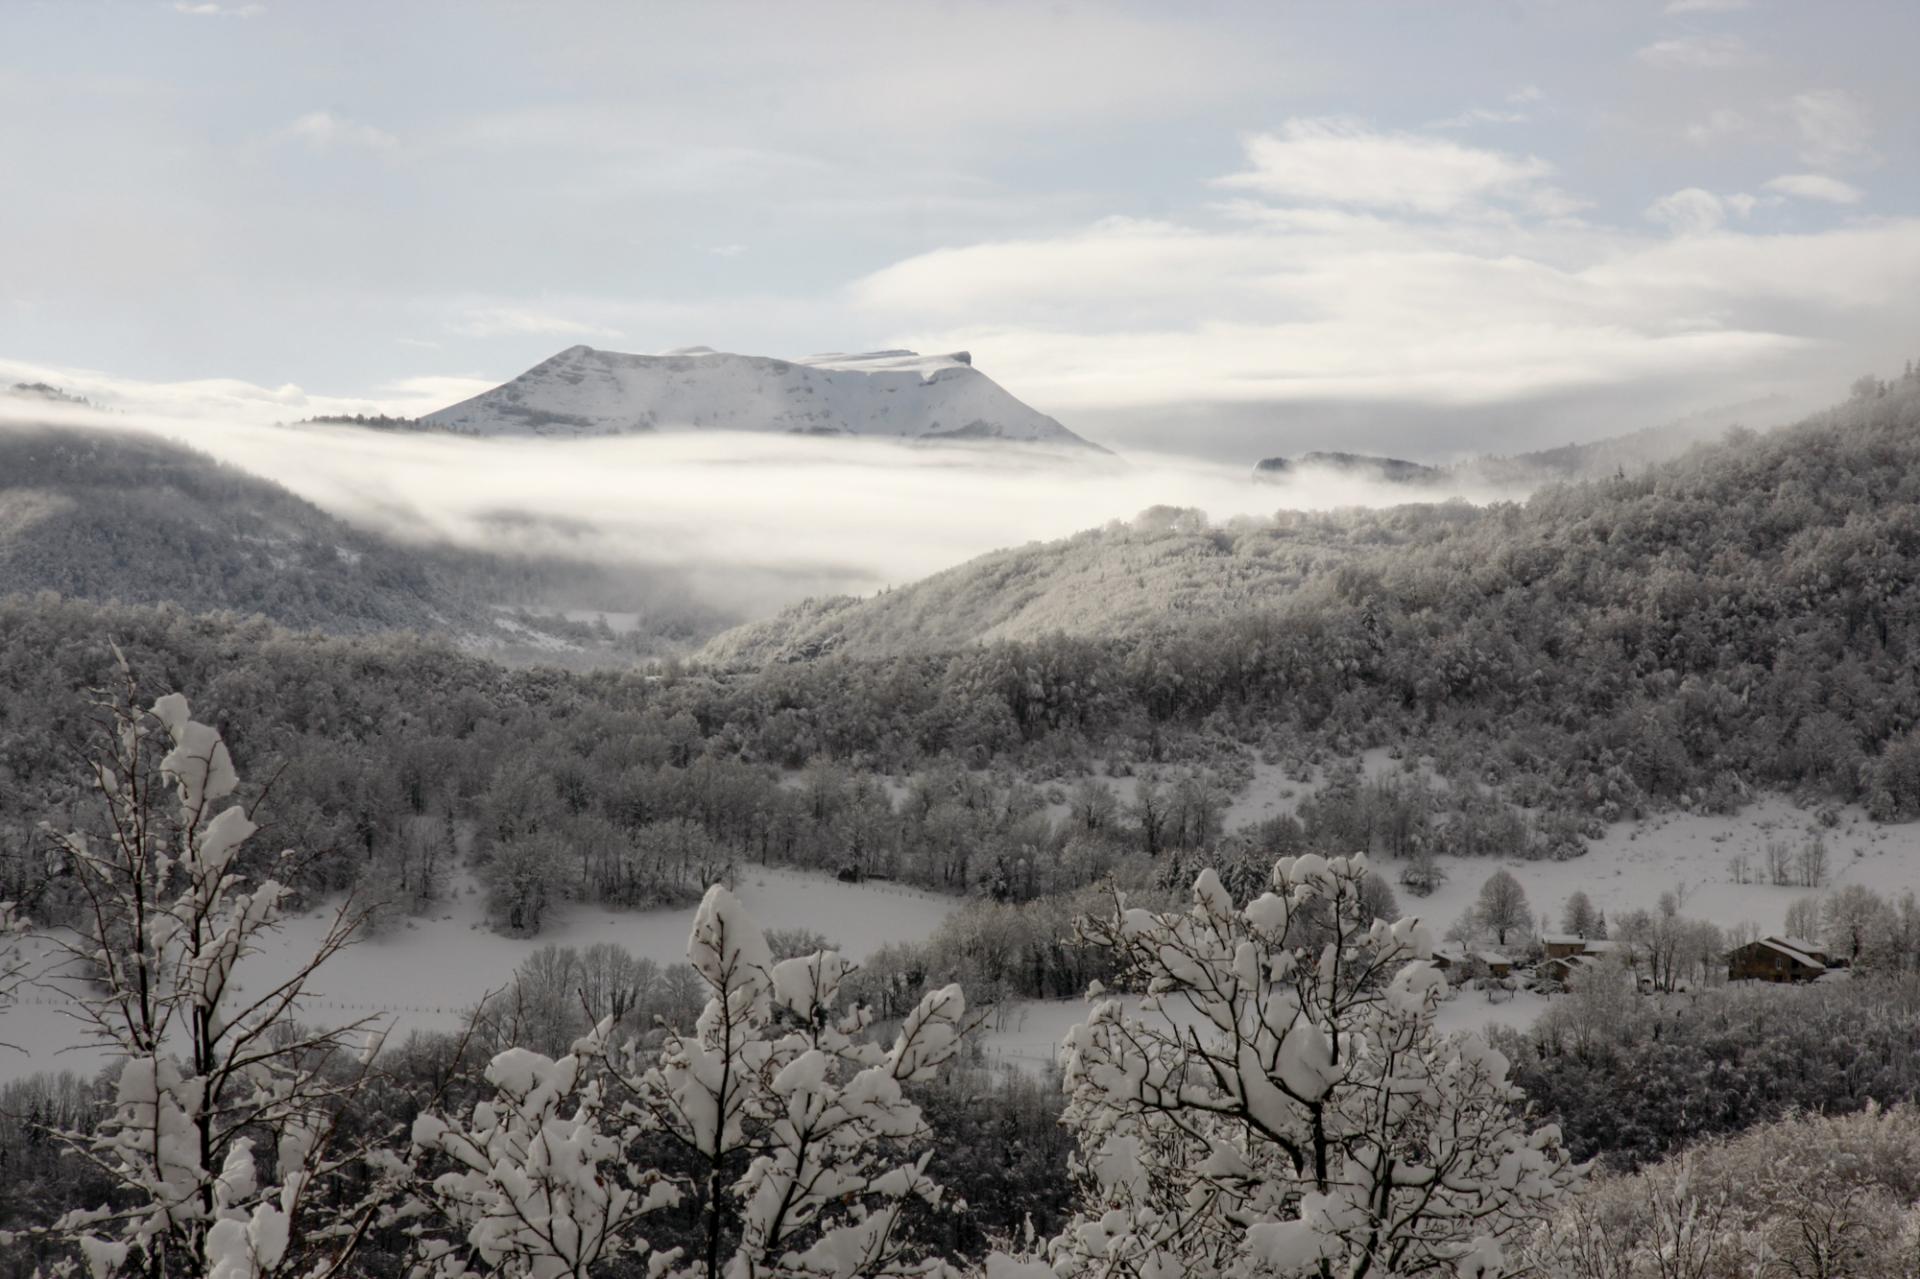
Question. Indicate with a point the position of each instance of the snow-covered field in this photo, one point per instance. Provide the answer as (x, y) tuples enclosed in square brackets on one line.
[(1629, 868), (1272, 793), (427, 973), (1686, 854), (1689, 855)]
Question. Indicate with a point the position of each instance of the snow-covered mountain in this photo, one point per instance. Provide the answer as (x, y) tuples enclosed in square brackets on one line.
[(582, 391)]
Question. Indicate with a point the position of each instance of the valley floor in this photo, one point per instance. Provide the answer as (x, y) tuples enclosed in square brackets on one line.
[(426, 973)]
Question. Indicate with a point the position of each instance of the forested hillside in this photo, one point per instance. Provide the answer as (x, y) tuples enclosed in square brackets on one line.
[(1168, 566), (1742, 619), (108, 516), (1743, 616)]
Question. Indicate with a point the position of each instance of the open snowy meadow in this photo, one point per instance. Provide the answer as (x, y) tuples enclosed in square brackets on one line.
[(428, 973)]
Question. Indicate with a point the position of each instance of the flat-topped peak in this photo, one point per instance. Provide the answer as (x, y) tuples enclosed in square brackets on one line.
[(887, 393)]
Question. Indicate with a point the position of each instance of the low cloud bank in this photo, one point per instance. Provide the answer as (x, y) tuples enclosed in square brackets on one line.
[(759, 521)]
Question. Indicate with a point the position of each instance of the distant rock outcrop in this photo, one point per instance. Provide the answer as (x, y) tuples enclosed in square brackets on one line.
[(1360, 465), (44, 391)]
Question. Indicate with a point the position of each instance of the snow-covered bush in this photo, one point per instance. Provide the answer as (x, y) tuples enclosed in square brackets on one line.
[(809, 1151), (220, 1140), (540, 1185), (1811, 1197), (1278, 1102)]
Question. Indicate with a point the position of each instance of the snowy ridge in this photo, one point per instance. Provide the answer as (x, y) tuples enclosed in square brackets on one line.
[(586, 392)]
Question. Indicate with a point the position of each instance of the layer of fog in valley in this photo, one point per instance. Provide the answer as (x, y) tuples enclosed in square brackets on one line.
[(752, 522)]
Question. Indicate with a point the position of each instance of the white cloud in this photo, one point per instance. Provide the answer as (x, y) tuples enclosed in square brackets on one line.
[(1723, 122), (323, 130), (497, 321), (1833, 126), (1418, 298), (1817, 186), (727, 250), (235, 400), (1699, 53), (1341, 161), (1691, 211), (212, 10), (1707, 6), (1479, 115)]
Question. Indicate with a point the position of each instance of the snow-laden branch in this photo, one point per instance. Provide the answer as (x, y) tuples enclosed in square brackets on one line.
[(206, 1078), (1278, 1102)]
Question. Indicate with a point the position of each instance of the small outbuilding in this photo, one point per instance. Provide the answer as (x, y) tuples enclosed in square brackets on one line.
[(1562, 967), (1566, 945), (1776, 959), (1497, 965)]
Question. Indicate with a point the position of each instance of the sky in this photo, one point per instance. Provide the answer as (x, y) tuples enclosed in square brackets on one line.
[(1218, 230)]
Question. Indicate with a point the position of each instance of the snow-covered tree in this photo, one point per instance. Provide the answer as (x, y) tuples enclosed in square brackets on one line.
[(538, 1183), (1578, 916), (221, 1135), (1502, 906), (1279, 1103), (809, 1151), (799, 1121), (1853, 921)]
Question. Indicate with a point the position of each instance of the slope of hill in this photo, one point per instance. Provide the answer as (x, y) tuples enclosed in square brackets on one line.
[(582, 392), (1170, 569), (1596, 459), (100, 515), (1634, 451), (1166, 565)]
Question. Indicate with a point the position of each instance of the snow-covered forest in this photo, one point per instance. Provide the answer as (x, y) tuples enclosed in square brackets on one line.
[(1014, 640), (1227, 945)]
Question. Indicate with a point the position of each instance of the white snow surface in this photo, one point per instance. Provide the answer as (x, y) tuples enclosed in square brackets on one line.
[(1634, 862), (1689, 855), (1627, 869), (426, 973), (587, 392)]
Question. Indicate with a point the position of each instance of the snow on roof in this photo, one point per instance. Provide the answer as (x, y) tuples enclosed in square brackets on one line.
[(1490, 957), (1601, 947), (1801, 944), (1792, 952)]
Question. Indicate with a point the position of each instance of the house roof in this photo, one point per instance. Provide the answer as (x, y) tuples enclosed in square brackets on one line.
[(1592, 945), (1780, 946), (1801, 944)]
